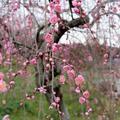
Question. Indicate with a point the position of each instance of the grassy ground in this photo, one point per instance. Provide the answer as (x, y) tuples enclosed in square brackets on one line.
[(38, 109)]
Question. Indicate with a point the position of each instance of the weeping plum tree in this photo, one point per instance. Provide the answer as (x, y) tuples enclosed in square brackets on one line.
[(30, 32)]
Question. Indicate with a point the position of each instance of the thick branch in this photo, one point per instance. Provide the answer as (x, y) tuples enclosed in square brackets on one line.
[(65, 26)]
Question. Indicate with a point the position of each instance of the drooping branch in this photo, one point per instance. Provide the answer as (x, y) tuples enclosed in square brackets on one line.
[(63, 27), (106, 13), (98, 6), (95, 11)]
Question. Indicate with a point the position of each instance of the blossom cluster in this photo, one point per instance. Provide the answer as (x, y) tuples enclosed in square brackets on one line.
[(76, 5), (55, 9), (79, 82), (77, 8), (3, 85)]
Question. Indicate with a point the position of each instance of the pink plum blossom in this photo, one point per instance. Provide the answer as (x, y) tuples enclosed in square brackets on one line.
[(106, 56), (57, 99), (48, 66), (54, 19), (57, 8), (76, 10), (6, 117), (86, 94), (89, 110), (85, 26), (48, 37), (66, 68), (82, 100), (74, 3), (54, 48), (64, 60), (77, 90), (79, 80), (54, 104), (79, 4), (42, 90), (51, 4), (3, 86), (1, 76), (33, 61), (90, 59), (71, 74), (62, 79)]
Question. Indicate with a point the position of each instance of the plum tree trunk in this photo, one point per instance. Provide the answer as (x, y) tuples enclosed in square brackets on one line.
[(49, 93)]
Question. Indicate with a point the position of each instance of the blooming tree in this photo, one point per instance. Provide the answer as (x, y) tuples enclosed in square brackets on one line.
[(30, 32)]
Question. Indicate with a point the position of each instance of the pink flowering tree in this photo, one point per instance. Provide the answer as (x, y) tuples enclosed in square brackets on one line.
[(33, 40)]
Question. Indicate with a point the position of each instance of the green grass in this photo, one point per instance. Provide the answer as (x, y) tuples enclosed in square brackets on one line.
[(38, 109)]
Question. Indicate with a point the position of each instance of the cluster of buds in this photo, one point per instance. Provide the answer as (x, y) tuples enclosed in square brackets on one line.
[(55, 7), (77, 8), (33, 61), (42, 90), (55, 103), (84, 99), (76, 5), (55, 10), (56, 48), (79, 81)]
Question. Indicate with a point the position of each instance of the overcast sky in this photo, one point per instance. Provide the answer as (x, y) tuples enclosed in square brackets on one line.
[(81, 35)]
